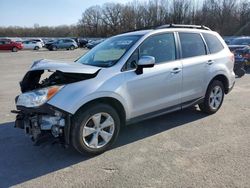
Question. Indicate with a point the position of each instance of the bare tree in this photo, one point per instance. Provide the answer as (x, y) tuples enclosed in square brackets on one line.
[(228, 17)]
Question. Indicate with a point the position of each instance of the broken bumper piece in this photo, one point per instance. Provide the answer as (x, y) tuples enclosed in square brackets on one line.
[(43, 122)]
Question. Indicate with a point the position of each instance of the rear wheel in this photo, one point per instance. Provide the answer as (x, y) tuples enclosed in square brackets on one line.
[(14, 49), (95, 129), (214, 98)]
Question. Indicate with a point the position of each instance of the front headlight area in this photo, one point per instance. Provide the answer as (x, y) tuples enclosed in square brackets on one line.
[(37, 97)]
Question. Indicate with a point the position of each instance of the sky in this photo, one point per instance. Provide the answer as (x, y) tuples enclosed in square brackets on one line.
[(26, 13)]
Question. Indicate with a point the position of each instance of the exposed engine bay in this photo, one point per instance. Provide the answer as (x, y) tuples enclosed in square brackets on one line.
[(45, 120), (32, 80)]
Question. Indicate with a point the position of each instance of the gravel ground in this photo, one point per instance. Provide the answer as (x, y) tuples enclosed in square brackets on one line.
[(181, 149)]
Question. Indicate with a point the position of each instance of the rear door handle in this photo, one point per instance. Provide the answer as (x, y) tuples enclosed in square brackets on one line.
[(176, 70), (210, 62)]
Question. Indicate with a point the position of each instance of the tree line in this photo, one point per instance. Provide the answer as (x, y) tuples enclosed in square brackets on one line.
[(228, 17)]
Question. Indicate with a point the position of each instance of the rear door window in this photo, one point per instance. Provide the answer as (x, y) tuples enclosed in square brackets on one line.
[(192, 45), (213, 43)]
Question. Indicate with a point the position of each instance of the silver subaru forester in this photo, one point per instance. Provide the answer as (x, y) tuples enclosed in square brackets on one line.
[(125, 79)]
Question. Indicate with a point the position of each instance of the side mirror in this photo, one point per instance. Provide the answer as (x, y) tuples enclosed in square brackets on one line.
[(144, 62)]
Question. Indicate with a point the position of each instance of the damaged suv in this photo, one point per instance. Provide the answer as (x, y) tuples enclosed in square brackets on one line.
[(126, 79)]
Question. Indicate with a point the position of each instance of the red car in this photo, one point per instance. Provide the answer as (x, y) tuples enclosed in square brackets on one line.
[(7, 44)]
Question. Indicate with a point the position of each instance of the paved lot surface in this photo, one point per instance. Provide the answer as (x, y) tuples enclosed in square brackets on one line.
[(181, 149)]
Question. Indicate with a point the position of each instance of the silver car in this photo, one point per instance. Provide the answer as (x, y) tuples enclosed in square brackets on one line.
[(126, 79)]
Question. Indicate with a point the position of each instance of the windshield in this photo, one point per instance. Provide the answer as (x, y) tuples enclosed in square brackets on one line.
[(109, 52)]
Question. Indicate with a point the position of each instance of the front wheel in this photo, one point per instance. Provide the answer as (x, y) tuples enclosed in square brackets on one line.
[(72, 47), (214, 98), (95, 129)]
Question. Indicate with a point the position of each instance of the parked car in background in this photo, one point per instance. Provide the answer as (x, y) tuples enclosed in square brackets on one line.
[(76, 39), (68, 44), (7, 44), (92, 44), (83, 42), (228, 39), (126, 79), (245, 53), (48, 42), (15, 39), (32, 45), (240, 41), (38, 40), (236, 47), (239, 63)]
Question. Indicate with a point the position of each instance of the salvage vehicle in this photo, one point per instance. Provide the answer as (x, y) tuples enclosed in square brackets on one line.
[(92, 44), (68, 44), (33, 45), (245, 53), (38, 40), (239, 65), (245, 40), (8, 44), (125, 79)]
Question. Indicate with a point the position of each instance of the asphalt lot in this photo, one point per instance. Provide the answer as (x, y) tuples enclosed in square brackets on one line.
[(181, 149)]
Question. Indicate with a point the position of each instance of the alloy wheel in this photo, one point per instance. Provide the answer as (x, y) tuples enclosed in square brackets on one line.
[(215, 97), (98, 130)]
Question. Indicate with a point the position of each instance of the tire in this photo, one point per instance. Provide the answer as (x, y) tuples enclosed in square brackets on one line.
[(85, 136), (36, 48), (54, 48), (72, 47), (14, 49), (209, 105)]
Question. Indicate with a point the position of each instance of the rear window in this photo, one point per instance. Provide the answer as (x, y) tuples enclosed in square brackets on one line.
[(192, 45), (213, 43)]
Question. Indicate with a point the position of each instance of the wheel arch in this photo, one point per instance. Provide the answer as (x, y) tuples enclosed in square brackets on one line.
[(116, 104), (223, 79)]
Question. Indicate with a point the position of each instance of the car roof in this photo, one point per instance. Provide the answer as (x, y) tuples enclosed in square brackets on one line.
[(149, 31)]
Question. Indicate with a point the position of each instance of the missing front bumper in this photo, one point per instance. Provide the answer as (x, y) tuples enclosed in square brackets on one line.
[(42, 122)]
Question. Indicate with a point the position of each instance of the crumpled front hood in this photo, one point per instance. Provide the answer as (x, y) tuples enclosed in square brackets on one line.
[(63, 66), (61, 73)]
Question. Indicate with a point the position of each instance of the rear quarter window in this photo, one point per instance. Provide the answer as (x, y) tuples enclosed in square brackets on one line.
[(213, 43)]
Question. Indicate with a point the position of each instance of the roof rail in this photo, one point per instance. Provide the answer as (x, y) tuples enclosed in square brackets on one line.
[(183, 26)]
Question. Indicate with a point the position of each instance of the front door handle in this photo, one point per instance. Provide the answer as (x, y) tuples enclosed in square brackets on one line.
[(176, 70), (210, 62)]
